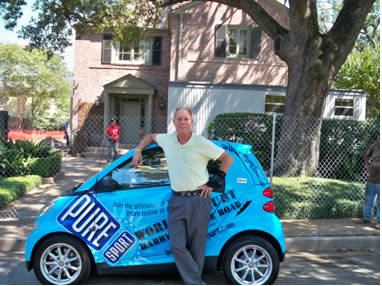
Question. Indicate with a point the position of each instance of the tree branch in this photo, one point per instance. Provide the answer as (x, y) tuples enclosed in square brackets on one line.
[(304, 13), (266, 22), (349, 22)]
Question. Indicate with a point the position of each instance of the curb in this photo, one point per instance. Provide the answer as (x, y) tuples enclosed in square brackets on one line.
[(293, 244), (325, 243)]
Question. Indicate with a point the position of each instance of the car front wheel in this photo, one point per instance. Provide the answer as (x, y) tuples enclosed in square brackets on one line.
[(61, 260), (251, 260)]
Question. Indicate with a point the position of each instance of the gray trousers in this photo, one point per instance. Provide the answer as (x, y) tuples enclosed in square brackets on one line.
[(187, 227), (112, 147)]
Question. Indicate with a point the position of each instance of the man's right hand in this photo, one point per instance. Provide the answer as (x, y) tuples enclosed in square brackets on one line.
[(137, 159)]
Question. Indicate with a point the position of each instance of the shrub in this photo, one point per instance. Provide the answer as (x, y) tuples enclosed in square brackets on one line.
[(32, 149), (12, 162), (343, 146), (249, 128), (46, 167), (13, 188), (343, 143), (21, 158)]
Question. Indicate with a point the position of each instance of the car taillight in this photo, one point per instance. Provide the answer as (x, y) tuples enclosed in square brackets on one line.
[(268, 193), (269, 207)]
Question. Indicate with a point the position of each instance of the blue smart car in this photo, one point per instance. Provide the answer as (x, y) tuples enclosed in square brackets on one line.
[(116, 222)]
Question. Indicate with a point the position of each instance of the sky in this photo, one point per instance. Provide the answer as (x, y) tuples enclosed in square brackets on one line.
[(10, 37)]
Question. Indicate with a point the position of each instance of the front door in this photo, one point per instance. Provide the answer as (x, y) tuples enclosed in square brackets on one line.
[(131, 118)]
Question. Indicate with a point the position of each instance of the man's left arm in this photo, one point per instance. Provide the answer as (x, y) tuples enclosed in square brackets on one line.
[(226, 162)]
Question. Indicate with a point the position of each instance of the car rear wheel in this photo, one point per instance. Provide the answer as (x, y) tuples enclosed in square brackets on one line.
[(61, 260), (251, 260)]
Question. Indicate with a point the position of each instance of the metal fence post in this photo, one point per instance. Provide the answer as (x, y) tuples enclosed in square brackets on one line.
[(273, 144)]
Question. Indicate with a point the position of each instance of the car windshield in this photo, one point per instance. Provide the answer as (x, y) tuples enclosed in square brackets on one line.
[(153, 172)]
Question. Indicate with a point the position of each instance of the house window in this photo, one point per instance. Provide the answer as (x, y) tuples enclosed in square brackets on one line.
[(130, 52), (344, 107), (138, 52), (133, 53), (235, 41), (238, 42), (274, 103)]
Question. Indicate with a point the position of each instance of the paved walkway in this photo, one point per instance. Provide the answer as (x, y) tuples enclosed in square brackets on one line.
[(16, 221)]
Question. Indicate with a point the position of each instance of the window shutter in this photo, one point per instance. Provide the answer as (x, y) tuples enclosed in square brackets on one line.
[(106, 49), (220, 41), (156, 51), (255, 41)]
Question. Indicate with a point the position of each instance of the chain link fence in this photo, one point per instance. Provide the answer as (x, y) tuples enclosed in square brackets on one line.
[(316, 167)]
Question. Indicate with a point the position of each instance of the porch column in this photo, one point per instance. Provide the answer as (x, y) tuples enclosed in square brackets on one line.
[(149, 116), (106, 111)]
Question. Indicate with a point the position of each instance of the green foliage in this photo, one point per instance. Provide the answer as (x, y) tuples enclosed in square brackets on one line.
[(13, 188), (46, 123), (126, 19), (343, 143), (369, 36), (22, 157), (249, 128), (328, 11), (11, 12), (361, 71), (36, 75), (343, 146), (12, 161), (46, 167), (302, 197)]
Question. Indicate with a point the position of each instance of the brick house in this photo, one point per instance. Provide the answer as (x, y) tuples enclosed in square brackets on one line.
[(206, 55)]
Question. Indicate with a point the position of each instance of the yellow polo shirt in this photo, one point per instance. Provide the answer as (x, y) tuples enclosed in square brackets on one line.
[(187, 163)]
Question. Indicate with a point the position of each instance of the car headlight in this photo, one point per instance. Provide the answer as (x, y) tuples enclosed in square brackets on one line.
[(46, 208)]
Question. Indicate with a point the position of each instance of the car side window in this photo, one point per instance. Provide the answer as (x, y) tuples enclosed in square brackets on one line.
[(152, 173)]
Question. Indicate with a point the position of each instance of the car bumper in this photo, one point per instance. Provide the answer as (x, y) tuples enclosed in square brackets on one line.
[(28, 265), (282, 258)]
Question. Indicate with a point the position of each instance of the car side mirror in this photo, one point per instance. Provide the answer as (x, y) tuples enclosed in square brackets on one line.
[(109, 183)]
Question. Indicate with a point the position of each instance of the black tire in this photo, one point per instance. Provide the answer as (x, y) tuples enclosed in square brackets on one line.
[(249, 256), (72, 264)]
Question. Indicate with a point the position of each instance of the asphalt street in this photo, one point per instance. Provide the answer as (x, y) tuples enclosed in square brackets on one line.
[(299, 268)]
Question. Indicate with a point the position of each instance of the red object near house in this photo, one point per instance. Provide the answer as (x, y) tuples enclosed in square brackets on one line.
[(35, 135)]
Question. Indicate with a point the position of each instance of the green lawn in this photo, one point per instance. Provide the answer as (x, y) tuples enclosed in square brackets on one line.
[(307, 197), (14, 187)]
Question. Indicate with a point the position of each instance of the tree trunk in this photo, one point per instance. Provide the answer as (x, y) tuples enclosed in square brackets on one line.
[(309, 80), (297, 150)]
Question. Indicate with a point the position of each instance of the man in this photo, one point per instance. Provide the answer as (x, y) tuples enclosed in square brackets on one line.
[(189, 208), (67, 132), (372, 186), (112, 134)]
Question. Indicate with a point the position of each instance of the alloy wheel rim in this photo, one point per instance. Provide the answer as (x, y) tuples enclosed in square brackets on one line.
[(251, 264), (60, 263)]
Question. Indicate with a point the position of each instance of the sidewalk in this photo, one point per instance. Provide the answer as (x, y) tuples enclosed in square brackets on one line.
[(16, 221)]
